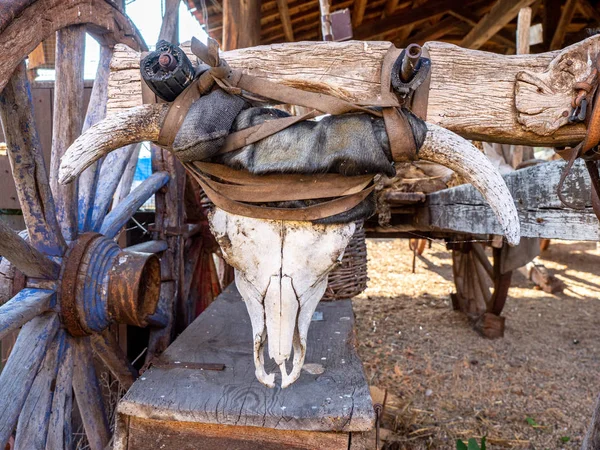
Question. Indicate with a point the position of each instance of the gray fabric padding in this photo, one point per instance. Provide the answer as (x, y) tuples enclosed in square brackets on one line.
[(206, 125), (349, 144)]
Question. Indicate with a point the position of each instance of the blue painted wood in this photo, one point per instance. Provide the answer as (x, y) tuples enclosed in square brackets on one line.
[(21, 368), (113, 167), (96, 111), (59, 428), (28, 167), (34, 418), (89, 395), (119, 216), (24, 257), (23, 307)]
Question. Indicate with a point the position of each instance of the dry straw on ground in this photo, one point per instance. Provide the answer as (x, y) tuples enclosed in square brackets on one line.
[(533, 389)]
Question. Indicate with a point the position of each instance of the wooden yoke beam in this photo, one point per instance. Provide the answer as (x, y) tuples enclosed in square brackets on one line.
[(522, 99)]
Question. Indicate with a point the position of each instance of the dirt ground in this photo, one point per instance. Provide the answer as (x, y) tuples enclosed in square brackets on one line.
[(533, 389)]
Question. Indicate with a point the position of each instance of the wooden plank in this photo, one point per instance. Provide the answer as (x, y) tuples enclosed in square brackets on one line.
[(21, 368), (241, 24), (337, 400), (523, 27), (155, 435), (501, 13), (124, 187), (358, 12), (68, 107), (286, 23), (28, 166), (24, 257), (23, 307), (352, 71), (566, 16), (96, 111), (119, 216), (32, 428), (541, 214), (59, 429), (89, 395)]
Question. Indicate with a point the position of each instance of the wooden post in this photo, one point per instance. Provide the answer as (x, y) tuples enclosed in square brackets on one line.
[(325, 20), (241, 24), (523, 27)]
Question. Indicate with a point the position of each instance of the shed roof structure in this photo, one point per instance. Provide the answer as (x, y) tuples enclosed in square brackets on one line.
[(485, 24)]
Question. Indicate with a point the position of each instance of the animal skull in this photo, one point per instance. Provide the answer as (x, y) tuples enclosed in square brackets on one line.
[(281, 271)]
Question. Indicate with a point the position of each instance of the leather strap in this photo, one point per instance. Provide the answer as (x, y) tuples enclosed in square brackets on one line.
[(250, 135), (289, 191), (244, 177), (307, 213), (400, 135)]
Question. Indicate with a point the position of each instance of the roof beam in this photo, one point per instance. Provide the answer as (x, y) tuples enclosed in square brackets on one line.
[(435, 32), (551, 16), (408, 16), (501, 37), (358, 12), (588, 10), (561, 29), (286, 21), (501, 13)]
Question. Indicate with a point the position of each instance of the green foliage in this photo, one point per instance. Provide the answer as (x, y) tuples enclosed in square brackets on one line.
[(565, 439), (471, 445), (531, 421)]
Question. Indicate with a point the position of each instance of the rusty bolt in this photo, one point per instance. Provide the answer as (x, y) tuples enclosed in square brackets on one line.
[(569, 62), (565, 113), (167, 61)]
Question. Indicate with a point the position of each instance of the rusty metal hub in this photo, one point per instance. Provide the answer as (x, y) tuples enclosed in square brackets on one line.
[(102, 284)]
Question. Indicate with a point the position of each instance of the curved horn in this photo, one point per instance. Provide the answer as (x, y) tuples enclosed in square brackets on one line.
[(138, 124), (444, 147)]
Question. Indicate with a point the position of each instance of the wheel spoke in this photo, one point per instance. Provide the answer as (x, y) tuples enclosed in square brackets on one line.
[(59, 429), (483, 259), (96, 111), (119, 216), (89, 395), (149, 247), (29, 171), (484, 284), (479, 306), (68, 102), (32, 427), (127, 179), (107, 348), (112, 170), (24, 257), (22, 308), (21, 368)]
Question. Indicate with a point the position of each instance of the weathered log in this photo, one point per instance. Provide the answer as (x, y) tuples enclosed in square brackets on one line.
[(473, 93)]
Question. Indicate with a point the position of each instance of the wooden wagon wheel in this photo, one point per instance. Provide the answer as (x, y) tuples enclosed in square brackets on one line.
[(71, 280), (481, 288)]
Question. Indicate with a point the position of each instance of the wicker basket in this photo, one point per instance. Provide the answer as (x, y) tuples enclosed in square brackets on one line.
[(350, 277)]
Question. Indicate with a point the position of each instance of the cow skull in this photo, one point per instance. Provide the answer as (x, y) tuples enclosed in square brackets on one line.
[(281, 270), (282, 266)]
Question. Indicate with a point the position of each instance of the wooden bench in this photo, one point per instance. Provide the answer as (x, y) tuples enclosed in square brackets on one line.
[(203, 394)]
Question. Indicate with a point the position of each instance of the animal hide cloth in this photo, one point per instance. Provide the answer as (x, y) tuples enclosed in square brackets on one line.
[(349, 144)]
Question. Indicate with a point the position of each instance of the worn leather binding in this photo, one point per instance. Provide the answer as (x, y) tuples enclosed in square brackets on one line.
[(244, 194)]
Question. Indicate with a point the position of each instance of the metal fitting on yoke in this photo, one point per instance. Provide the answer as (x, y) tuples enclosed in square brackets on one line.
[(410, 70)]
